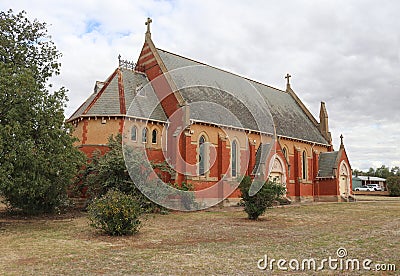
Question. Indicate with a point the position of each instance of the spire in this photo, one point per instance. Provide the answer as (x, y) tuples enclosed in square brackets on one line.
[(323, 123), (323, 118), (147, 23), (288, 81)]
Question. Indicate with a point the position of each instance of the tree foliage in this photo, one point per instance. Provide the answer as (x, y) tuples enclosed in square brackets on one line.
[(109, 172), (256, 205), (37, 156), (383, 172), (393, 184)]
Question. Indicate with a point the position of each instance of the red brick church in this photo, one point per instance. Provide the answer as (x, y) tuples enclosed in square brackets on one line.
[(250, 130)]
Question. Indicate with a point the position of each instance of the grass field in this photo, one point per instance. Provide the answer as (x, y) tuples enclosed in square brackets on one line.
[(217, 241)]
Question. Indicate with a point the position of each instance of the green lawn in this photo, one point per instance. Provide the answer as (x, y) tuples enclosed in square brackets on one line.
[(217, 241)]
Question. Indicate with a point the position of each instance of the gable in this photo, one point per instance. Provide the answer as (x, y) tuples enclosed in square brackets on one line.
[(118, 93)]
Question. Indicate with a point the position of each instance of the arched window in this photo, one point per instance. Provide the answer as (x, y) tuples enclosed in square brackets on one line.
[(154, 136), (202, 155), (144, 135), (234, 158), (304, 167), (134, 133), (284, 151)]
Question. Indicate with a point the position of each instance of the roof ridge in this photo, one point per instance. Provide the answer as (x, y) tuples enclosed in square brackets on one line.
[(223, 70), (76, 111), (98, 95), (94, 97), (121, 92)]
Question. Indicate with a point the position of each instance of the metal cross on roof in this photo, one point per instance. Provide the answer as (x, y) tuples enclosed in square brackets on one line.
[(287, 77), (147, 23)]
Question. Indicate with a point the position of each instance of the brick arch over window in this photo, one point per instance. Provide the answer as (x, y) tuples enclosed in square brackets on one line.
[(285, 152)]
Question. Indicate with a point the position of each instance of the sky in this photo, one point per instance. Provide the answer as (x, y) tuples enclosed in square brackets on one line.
[(343, 52)]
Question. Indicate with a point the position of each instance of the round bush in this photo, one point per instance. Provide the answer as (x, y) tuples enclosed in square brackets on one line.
[(256, 205), (115, 213)]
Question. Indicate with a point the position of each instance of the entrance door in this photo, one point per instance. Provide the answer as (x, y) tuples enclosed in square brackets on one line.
[(344, 182), (278, 173)]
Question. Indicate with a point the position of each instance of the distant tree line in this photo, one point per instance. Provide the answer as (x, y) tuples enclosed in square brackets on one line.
[(383, 172), (392, 177)]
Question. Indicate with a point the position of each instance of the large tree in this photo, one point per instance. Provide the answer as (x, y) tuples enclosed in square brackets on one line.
[(37, 156)]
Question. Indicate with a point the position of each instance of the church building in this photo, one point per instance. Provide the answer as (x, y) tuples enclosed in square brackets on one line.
[(212, 125)]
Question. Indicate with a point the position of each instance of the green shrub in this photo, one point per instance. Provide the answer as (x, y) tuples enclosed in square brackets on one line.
[(393, 185), (256, 205), (110, 171), (115, 213)]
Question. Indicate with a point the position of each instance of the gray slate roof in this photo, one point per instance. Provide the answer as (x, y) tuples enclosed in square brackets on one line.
[(327, 162), (251, 102), (109, 103), (214, 96)]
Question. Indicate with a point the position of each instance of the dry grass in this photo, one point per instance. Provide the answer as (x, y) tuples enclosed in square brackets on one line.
[(376, 198), (217, 241)]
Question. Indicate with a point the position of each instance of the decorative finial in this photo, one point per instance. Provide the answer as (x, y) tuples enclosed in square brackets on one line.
[(341, 140), (147, 23), (288, 77)]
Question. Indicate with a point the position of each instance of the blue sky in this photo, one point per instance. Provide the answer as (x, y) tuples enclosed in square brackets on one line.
[(346, 53), (92, 25)]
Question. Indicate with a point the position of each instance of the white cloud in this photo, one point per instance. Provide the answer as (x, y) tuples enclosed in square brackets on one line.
[(345, 53)]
